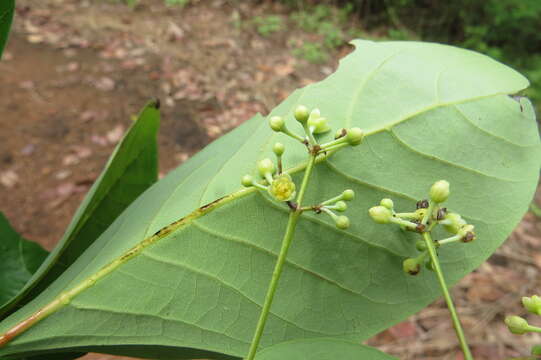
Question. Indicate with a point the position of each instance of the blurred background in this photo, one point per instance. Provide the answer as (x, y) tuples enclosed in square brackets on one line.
[(75, 72)]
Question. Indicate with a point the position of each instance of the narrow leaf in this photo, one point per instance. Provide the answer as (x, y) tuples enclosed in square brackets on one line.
[(131, 169), (197, 284), (7, 8), (321, 349), (19, 259)]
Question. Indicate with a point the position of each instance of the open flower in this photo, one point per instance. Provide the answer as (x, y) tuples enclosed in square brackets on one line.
[(282, 188)]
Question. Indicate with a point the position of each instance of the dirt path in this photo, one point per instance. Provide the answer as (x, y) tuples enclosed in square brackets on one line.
[(75, 72)]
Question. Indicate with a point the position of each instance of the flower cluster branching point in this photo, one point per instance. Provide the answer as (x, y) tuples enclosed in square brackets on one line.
[(427, 215), (280, 185)]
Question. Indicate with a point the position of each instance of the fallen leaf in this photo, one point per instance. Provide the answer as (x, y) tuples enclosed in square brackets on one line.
[(105, 84), (114, 135), (9, 178)]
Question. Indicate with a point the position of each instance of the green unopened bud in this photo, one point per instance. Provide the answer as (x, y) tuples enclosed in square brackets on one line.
[(453, 222), (411, 266), (266, 166), (317, 123), (516, 324), (388, 203), (467, 233), (354, 136), (282, 188), (247, 180), (380, 214), (348, 195), (301, 114), (536, 350), (278, 149), (342, 222), (420, 245), (340, 206), (532, 304), (340, 133), (277, 123), (430, 265), (439, 192)]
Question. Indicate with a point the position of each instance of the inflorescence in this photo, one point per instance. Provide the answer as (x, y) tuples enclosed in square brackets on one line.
[(428, 214), (519, 326), (279, 184)]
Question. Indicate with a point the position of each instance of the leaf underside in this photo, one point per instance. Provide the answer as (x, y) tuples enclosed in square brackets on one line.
[(321, 349), (431, 112), (131, 169)]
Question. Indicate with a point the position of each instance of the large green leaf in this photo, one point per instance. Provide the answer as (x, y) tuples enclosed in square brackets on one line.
[(431, 112), (19, 259), (131, 169), (321, 349), (7, 7)]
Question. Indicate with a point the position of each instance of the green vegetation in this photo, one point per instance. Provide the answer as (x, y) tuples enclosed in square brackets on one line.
[(267, 25), (507, 30)]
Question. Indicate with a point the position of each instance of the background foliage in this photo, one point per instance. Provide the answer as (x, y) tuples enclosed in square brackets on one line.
[(507, 30)]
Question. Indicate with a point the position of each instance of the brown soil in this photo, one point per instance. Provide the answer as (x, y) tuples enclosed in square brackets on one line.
[(75, 72)]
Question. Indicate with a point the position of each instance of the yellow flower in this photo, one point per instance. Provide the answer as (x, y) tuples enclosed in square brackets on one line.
[(282, 188)]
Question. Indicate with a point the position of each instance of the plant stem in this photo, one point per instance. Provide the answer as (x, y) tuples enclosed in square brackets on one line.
[(454, 316), (286, 242)]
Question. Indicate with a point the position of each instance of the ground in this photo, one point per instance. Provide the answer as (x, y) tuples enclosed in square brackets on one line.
[(75, 72)]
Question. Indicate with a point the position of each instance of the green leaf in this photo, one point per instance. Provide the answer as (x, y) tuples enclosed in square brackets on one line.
[(7, 7), (321, 349), (131, 169), (431, 112), (19, 259)]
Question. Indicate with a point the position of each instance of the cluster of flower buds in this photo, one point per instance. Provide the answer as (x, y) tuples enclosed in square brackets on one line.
[(314, 124), (427, 215), (519, 326), (337, 203), (280, 185)]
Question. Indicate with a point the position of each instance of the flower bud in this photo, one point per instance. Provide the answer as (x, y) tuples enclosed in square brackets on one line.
[(277, 123), (388, 203), (516, 325), (342, 222), (354, 136), (430, 265), (439, 192), (411, 266), (348, 195), (466, 233), (340, 133), (454, 223), (278, 149), (301, 114), (247, 180), (340, 206), (380, 214), (265, 166), (317, 123), (420, 245), (532, 304)]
